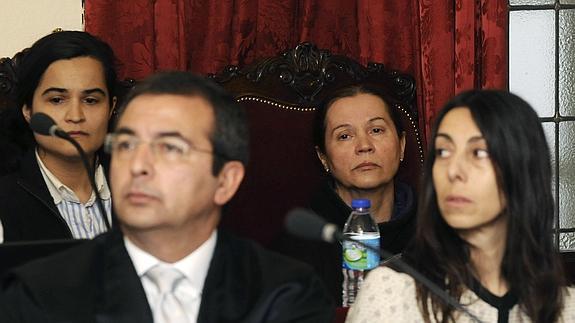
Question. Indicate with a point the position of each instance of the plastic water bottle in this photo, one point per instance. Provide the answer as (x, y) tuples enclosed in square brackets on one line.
[(357, 260)]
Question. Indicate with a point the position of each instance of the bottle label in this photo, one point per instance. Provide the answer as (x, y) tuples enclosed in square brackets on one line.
[(357, 257)]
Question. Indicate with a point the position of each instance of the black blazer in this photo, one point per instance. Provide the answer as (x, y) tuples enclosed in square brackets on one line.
[(96, 282), (326, 258), (27, 209)]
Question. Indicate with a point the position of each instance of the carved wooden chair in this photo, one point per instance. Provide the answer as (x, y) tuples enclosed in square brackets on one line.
[(7, 82), (8, 145), (280, 95)]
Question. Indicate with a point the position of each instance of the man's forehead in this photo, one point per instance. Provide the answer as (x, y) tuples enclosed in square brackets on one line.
[(161, 102), (167, 112)]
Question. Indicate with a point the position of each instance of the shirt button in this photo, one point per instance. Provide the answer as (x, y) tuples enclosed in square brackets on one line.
[(87, 216)]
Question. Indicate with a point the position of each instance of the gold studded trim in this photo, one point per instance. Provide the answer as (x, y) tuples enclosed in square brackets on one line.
[(416, 130), (414, 125), (276, 105)]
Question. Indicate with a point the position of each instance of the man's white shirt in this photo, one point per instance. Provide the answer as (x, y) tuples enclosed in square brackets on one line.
[(194, 267)]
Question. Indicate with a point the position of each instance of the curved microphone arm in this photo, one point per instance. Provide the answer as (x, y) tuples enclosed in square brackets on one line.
[(43, 124), (91, 173)]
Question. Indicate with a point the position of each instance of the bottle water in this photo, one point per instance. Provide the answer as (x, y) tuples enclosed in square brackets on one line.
[(357, 260)]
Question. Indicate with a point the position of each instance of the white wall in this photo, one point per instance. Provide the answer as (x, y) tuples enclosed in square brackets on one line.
[(22, 22)]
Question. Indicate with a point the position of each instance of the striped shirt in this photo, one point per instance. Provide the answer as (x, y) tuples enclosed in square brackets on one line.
[(84, 220)]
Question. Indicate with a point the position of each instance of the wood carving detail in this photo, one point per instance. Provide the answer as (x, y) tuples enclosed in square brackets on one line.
[(307, 70), (7, 76)]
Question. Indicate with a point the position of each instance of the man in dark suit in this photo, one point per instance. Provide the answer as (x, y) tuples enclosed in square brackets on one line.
[(178, 156)]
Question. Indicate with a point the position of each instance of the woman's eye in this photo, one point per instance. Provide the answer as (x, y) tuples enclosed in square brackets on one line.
[(91, 101), (377, 130), (56, 100), (343, 136), (441, 152), (481, 153)]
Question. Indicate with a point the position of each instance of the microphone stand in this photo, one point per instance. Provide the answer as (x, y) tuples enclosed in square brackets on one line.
[(389, 258), (91, 173)]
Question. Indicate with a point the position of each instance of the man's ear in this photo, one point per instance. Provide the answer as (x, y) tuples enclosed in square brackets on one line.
[(26, 112), (229, 180)]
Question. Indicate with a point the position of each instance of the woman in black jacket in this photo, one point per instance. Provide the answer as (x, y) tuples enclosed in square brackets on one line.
[(69, 76), (360, 142)]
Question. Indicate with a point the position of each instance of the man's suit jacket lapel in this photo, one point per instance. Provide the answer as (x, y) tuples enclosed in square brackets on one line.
[(122, 296), (223, 298), (245, 285)]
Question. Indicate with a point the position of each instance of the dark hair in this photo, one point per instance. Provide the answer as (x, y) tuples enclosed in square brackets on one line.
[(520, 156), (349, 91), (58, 46), (230, 138), (31, 64)]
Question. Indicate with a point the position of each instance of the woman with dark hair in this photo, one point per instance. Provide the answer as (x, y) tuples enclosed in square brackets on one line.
[(484, 227), (360, 142), (69, 76)]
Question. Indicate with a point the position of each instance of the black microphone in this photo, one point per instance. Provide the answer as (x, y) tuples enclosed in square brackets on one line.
[(43, 124), (307, 224)]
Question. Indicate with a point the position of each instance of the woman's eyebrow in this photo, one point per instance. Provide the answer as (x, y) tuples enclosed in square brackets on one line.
[(54, 89), (85, 92), (476, 139), (94, 90), (376, 119), (344, 125), (444, 136)]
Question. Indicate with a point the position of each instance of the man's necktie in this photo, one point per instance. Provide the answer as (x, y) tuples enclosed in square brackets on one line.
[(169, 309)]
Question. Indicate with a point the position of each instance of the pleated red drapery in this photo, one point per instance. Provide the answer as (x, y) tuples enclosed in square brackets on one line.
[(449, 46)]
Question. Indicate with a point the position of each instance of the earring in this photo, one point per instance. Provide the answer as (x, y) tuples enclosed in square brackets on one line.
[(400, 160), (326, 169)]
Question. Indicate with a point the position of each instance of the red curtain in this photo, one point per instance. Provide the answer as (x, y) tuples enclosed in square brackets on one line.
[(448, 46)]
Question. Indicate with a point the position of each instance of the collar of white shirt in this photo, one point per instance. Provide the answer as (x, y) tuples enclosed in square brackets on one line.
[(194, 266), (60, 192)]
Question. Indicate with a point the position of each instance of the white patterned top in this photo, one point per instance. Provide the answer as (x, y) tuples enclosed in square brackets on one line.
[(389, 296)]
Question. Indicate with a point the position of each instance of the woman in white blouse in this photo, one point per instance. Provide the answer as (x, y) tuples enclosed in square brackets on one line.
[(484, 226)]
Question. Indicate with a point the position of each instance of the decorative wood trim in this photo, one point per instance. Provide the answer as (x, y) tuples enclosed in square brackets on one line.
[(7, 79), (310, 73)]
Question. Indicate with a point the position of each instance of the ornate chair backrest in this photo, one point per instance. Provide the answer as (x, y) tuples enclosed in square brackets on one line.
[(280, 95), (7, 81), (10, 144)]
